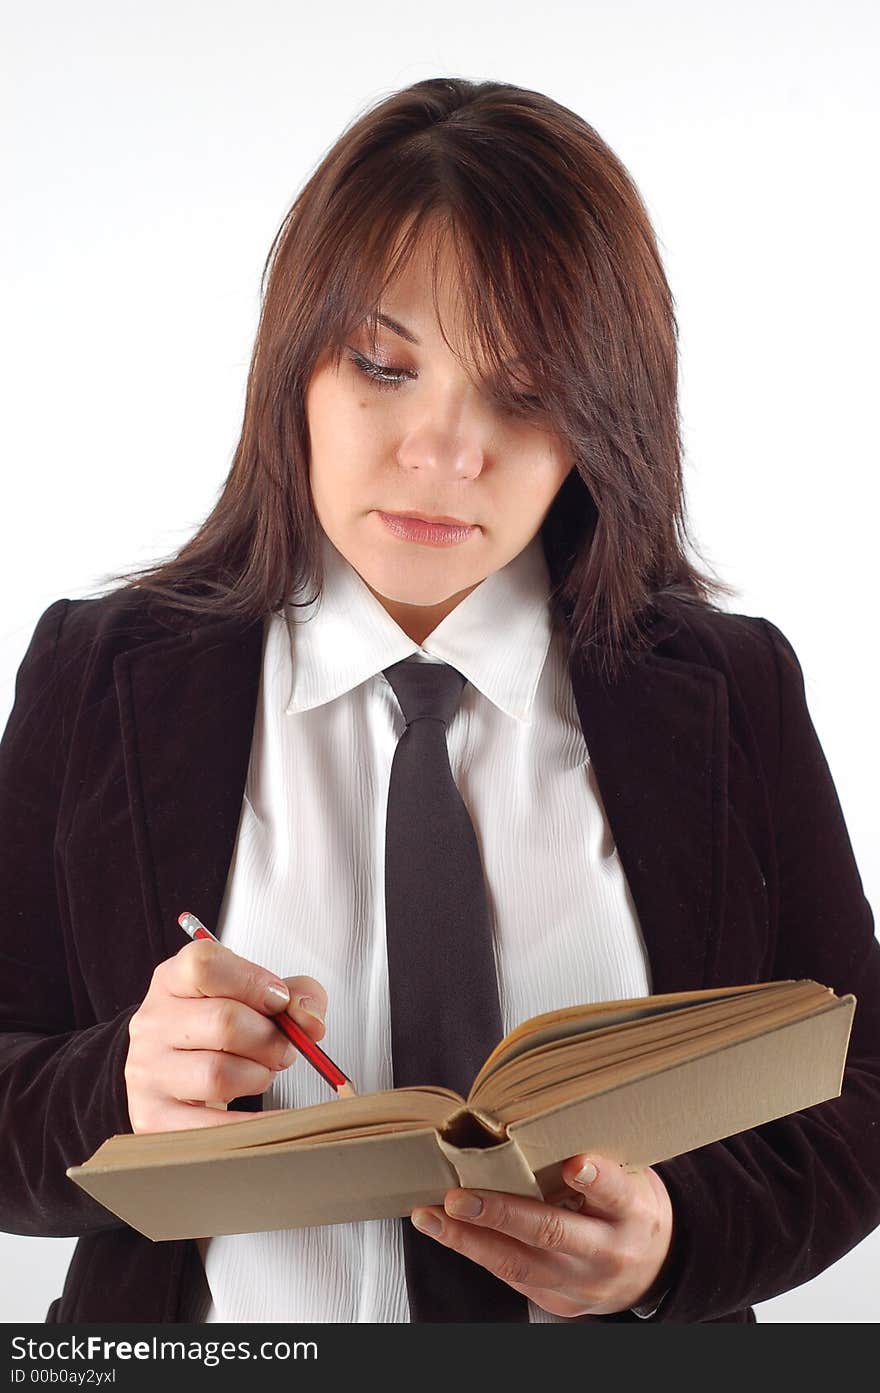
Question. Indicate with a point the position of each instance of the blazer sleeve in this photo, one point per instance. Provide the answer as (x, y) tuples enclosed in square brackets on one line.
[(62, 1088), (769, 1209)]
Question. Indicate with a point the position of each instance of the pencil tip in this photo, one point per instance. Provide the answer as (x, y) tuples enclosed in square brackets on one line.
[(346, 1090)]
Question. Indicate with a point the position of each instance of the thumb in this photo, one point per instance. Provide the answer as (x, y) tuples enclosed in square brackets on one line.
[(307, 1005), (607, 1188)]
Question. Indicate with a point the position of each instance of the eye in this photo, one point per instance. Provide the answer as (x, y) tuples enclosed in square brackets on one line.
[(391, 378), (383, 378), (523, 405), (520, 403)]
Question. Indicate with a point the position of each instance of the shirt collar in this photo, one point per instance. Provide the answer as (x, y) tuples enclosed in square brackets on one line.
[(497, 637)]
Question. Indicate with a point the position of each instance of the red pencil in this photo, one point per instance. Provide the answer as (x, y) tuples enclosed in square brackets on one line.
[(312, 1052)]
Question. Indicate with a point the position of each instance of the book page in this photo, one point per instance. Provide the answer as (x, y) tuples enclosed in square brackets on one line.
[(397, 1109), (695, 1102), (561, 1024), (616, 1073), (528, 1071)]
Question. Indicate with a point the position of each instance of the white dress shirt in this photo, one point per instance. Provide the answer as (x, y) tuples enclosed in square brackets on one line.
[(305, 891)]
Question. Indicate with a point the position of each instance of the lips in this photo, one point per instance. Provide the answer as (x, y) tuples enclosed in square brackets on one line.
[(427, 532), (432, 517)]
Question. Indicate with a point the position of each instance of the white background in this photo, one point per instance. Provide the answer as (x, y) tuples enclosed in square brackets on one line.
[(150, 153)]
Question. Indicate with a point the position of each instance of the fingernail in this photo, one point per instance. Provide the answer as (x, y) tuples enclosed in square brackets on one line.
[(587, 1174), (290, 1054), (276, 995), (464, 1206), (311, 1007), (572, 1202), (426, 1221)]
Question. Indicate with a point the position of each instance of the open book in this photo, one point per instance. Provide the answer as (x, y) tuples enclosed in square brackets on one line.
[(639, 1080)]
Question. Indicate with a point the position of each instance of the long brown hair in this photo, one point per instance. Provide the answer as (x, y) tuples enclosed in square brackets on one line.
[(559, 262)]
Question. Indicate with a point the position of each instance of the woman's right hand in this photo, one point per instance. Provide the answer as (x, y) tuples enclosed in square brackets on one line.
[(203, 1035)]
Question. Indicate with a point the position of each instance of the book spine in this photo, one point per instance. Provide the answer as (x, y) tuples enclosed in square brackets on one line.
[(500, 1167)]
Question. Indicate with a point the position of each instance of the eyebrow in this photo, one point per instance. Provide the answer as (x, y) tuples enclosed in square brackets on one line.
[(397, 328), (400, 329)]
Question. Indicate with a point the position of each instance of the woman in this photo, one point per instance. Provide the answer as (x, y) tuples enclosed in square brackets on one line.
[(465, 318)]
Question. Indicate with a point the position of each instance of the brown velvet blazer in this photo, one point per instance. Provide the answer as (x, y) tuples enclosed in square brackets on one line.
[(122, 768)]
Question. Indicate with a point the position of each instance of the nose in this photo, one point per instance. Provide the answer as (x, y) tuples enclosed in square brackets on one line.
[(451, 440)]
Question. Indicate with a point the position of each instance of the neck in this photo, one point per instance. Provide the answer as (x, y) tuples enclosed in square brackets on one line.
[(418, 621)]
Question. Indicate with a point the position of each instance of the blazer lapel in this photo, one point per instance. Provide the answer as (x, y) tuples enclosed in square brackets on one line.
[(188, 706), (657, 738)]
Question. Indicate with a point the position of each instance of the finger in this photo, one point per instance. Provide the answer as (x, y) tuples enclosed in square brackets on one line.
[(551, 1228), (179, 1116), (567, 1199), (519, 1264), (211, 1076), (206, 968), (609, 1191), (219, 1023), (308, 1004)]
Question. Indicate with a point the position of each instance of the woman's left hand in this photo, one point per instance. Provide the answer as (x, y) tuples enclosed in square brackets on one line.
[(604, 1255)]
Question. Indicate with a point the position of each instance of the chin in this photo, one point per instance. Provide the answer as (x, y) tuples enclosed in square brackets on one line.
[(415, 580), (402, 590), (418, 599)]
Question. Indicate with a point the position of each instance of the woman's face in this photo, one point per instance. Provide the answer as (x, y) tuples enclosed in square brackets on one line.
[(426, 437)]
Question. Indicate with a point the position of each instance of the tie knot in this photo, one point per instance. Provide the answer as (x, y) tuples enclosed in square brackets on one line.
[(426, 689)]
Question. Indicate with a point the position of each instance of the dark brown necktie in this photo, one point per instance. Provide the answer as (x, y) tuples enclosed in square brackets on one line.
[(445, 1015)]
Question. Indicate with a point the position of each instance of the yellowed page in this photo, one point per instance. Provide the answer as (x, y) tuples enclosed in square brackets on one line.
[(557, 1025), (645, 1120), (405, 1107), (526, 1076)]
